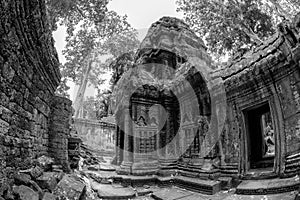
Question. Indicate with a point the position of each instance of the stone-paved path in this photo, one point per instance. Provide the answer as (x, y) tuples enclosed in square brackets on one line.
[(116, 191), (177, 193)]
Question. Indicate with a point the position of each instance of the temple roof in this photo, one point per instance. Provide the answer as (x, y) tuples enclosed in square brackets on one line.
[(277, 47), (173, 35)]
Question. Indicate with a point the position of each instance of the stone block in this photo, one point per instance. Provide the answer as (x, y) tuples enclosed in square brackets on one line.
[(24, 179), (71, 187), (4, 186), (36, 172), (47, 181), (45, 162), (49, 196), (59, 176), (4, 127), (25, 193)]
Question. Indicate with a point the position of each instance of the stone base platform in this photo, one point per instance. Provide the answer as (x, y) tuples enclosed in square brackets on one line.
[(105, 191), (211, 188), (192, 184), (178, 194), (198, 185), (268, 186)]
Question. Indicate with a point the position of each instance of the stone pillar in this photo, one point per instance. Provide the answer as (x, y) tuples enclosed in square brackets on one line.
[(168, 159), (59, 130), (117, 146), (161, 136), (126, 165)]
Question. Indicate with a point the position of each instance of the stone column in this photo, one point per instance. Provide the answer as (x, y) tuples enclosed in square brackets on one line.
[(161, 137), (117, 145), (135, 134), (126, 165), (167, 159), (59, 130)]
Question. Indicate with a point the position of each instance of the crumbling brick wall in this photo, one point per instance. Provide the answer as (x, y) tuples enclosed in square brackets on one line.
[(60, 119), (29, 76)]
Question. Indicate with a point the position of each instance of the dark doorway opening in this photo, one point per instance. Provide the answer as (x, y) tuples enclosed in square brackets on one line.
[(261, 145), (121, 146)]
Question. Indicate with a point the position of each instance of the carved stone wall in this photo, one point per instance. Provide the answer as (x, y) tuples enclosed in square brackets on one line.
[(96, 134), (267, 74), (267, 77)]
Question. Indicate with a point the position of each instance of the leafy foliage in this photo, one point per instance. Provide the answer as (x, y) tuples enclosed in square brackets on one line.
[(121, 65), (92, 32), (89, 108), (103, 101), (230, 26), (72, 12)]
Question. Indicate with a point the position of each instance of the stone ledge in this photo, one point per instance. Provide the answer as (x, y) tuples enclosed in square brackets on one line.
[(192, 184), (110, 192), (198, 185), (269, 186)]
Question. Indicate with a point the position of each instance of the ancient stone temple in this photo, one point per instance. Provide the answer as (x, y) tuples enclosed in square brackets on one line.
[(261, 130), (179, 113)]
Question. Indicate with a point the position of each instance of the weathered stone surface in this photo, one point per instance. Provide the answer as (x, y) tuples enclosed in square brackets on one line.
[(227, 136), (24, 179), (171, 194), (27, 84), (36, 172), (268, 186), (61, 115), (25, 193), (70, 186), (112, 191), (45, 162), (59, 176), (47, 181), (49, 196), (4, 186), (103, 133), (27, 80), (94, 168), (297, 196)]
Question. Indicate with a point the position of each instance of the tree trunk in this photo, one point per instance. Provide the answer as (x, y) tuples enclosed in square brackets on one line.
[(81, 90)]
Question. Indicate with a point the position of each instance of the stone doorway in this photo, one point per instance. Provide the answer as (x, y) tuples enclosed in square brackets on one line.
[(260, 134)]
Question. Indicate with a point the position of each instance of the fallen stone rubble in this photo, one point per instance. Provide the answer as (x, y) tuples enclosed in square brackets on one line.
[(42, 181), (91, 157)]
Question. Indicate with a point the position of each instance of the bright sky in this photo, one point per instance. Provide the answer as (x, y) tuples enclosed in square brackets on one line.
[(141, 14)]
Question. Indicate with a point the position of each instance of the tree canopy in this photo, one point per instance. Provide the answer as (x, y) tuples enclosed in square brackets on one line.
[(91, 33), (230, 26)]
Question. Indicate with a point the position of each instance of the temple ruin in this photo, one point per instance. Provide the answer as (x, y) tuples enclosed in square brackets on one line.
[(180, 119), (34, 122), (179, 113)]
